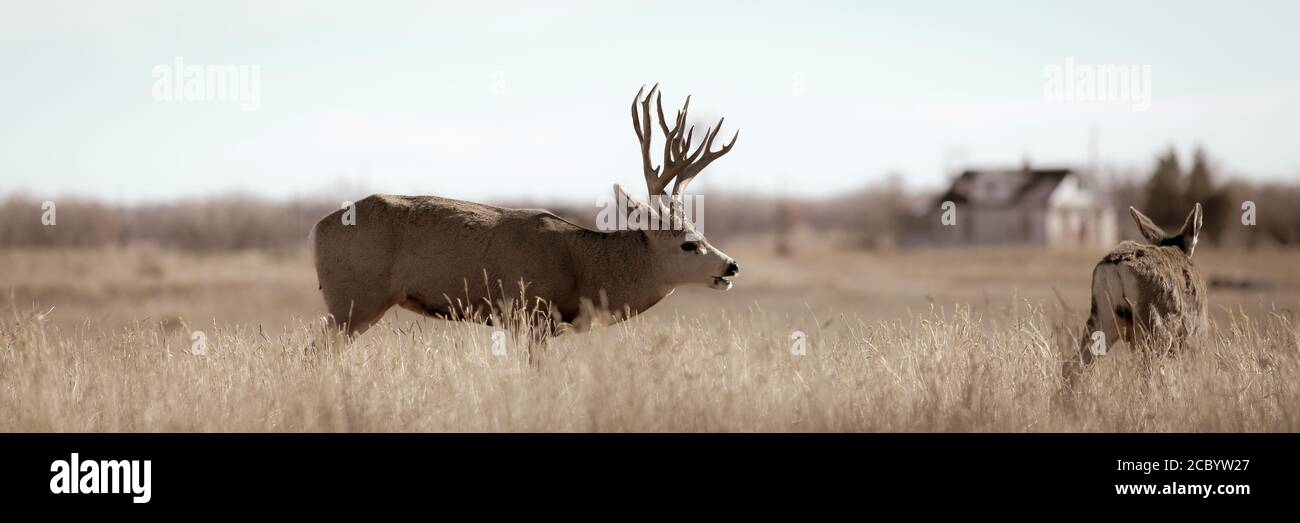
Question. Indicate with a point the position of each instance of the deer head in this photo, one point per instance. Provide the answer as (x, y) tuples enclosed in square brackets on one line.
[(681, 253), (1186, 238)]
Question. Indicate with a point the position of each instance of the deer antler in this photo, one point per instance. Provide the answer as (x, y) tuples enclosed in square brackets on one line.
[(679, 162)]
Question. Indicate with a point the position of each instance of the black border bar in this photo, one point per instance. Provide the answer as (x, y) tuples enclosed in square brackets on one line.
[(456, 472)]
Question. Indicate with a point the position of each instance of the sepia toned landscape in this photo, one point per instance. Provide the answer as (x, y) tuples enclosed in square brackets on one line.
[(909, 218), (444, 254), (918, 340)]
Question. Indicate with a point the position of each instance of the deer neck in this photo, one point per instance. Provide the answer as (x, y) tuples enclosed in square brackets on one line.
[(621, 265)]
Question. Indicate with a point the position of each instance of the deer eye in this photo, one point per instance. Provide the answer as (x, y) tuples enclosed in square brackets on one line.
[(689, 247)]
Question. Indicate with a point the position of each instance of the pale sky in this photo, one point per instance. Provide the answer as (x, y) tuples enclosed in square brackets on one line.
[(480, 100)]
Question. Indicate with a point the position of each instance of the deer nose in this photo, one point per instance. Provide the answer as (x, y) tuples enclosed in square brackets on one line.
[(732, 269)]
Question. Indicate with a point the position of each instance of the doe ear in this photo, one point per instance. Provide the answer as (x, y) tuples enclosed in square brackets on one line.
[(640, 216), (1191, 230), (1152, 232)]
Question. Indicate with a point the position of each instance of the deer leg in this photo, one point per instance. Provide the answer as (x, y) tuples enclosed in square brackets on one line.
[(355, 316), (1099, 334), (363, 320), (540, 331)]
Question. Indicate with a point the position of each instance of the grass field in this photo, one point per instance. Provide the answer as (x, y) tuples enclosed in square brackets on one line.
[(938, 340)]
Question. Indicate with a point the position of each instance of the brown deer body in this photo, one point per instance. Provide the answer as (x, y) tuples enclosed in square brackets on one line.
[(460, 260), (1150, 295)]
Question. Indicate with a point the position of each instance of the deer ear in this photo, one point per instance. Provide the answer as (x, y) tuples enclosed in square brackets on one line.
[(1191, 230), (1152, 232), (640, 216)]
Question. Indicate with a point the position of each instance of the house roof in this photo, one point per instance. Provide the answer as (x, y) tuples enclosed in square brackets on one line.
[(1005, 188)]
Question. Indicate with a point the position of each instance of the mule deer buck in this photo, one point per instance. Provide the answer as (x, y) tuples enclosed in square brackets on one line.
[(1149, 294), (445, 258)]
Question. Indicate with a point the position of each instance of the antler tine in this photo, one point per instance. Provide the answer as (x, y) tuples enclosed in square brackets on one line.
[(680, 164), (655, 183), (705, 156), (636, 121), (683, 145), (686, 143), (674, 147), (681, 115), (669, 146)]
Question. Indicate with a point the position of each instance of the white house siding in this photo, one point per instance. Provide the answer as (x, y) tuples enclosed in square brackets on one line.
[(1019, 208), (1069, 227)]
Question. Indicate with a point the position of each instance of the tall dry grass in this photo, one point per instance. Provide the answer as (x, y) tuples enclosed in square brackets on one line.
[(935, 371)]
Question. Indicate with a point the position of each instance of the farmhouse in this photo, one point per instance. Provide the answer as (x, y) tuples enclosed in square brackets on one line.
[(1034, 207)]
